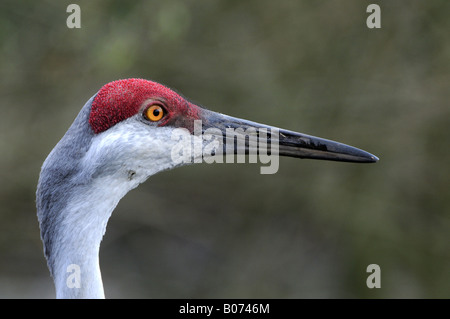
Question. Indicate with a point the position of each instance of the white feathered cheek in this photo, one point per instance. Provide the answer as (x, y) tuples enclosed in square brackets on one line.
[(132, 146)]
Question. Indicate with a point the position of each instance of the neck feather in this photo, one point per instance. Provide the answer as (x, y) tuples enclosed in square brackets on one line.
[(77, 237), (74, 203)]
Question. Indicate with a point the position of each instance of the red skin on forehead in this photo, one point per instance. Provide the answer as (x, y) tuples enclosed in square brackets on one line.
[(119, 100)]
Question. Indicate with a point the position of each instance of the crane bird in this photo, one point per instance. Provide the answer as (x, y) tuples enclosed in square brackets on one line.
[(123, 135)]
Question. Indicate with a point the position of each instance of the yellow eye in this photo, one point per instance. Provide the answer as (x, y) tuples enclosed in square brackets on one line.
[(154, 113)]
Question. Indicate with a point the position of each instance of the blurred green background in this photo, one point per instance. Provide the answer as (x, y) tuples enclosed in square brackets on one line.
[(224, 230)]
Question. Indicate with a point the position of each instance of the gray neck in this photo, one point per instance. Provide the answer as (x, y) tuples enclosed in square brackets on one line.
[(73, 212), (75, 259), (81, 182)]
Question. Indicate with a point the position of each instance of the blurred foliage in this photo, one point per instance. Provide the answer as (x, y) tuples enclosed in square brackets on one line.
[(225, 230)]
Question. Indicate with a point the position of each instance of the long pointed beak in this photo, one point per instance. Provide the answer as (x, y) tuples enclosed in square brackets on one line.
[(289, 143)]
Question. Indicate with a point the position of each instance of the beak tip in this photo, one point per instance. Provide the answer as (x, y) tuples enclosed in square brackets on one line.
[(372, 159)]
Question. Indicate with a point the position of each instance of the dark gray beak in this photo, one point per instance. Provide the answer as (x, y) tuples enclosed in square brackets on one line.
[(238, 135)]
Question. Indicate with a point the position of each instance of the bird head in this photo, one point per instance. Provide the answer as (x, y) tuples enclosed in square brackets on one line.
[(139, 124), (133, 121)]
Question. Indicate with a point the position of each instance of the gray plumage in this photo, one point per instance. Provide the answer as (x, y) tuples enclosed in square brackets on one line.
[(60, 174)]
